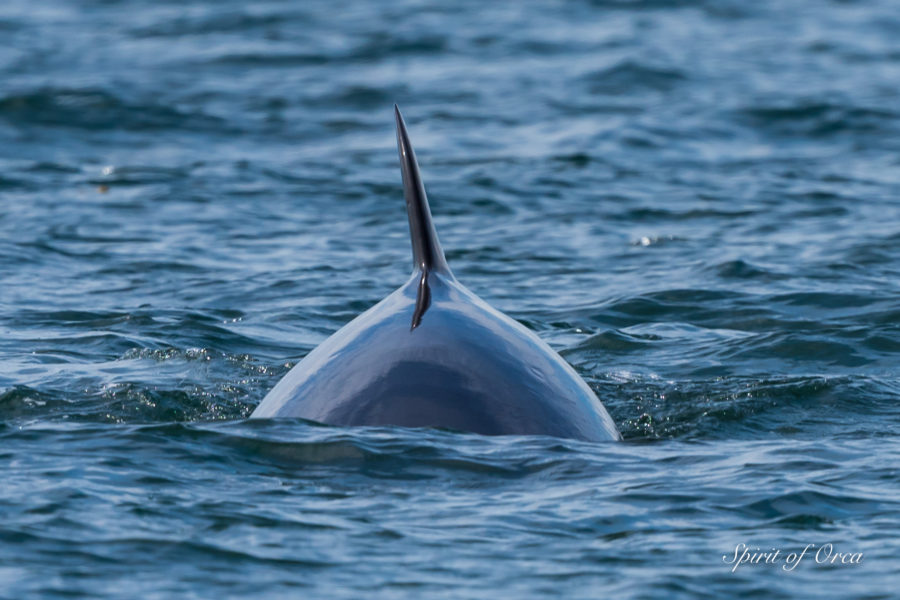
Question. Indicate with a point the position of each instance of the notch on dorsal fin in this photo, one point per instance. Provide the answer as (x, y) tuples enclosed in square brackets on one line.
[(427, 253)]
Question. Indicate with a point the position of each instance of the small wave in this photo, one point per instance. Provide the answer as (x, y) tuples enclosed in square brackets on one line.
[(359, 97), (827, 299), (271, 59), (647, 4), (665, 305), (795, 348), (689, 213), (818, 119), (744, 407), (383, 45), (629, 76), (138, 403), (807, 507), (217, 22), (656, 240), (741, 269), (70, 317), (609, 341), (138, 175), (97, 109)]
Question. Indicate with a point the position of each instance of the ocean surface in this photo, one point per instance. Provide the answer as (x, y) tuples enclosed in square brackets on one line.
[(697, 203)]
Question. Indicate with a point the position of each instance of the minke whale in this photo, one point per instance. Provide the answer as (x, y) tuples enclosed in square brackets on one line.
[(433, 354)]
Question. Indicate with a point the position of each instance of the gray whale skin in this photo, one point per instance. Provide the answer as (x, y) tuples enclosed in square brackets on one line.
[(433, 354)]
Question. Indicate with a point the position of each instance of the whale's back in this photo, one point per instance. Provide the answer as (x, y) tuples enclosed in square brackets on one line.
[(432, 354), (465, 366)]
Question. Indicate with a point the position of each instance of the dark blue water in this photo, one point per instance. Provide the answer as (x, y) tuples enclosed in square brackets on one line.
[(696, 203)]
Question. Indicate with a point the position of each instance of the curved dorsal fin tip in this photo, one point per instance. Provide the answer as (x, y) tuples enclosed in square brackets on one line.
[(427, 253)]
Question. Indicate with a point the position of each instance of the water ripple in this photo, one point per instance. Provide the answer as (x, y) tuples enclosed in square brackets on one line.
[(695, 202)]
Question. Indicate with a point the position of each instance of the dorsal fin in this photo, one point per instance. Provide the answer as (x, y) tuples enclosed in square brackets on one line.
[(427, 253)]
